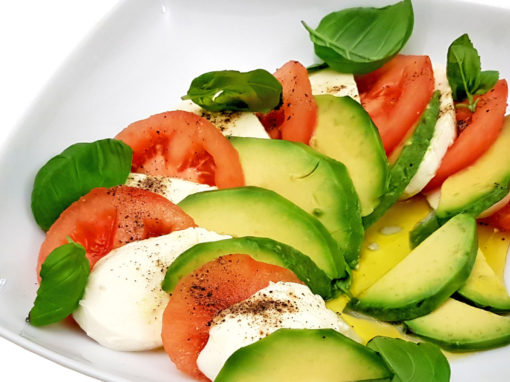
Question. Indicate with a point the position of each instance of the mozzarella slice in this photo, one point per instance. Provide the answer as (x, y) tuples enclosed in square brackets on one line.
[(280, 305), (174, 189), (444, 135), (123, 304), (327, 81), (235, 123)]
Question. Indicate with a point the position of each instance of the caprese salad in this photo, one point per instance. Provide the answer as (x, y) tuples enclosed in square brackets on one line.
[(311, 224)]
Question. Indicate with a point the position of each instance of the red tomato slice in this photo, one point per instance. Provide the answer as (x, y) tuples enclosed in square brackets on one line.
[(396, 95), (500, 219), (200, 296), (105, 219), (183, 145), (295, 120), (478, 131)]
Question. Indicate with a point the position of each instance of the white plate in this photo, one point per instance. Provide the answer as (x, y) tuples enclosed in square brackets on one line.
[(138, 63)]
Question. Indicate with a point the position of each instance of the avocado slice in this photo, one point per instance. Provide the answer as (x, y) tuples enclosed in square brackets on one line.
[(255, 211), (457, 326), (319, 185), (260, 249), (303, 355), (480, 185), (430, 274), (406, 165), (484, 288), (345, 132)]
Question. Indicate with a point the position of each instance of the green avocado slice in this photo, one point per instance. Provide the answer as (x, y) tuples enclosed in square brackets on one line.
[(484, 288), (345, 132), (480, 185), (457, 326), (319, 185), (409, 159), (430, 274), (304, 355), (260, 249), (255, 211)]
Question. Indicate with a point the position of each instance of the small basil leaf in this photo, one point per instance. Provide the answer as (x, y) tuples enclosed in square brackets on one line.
[(73, 173), (463, 67), (316, 67), (488, 79), (360, 40), (257, 91), (411, 362), (64, 275), (464, 72)]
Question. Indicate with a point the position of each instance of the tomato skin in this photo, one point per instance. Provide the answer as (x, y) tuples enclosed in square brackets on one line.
[(183, 145), (296, 118), (396, 95), (479, 131), (105, 219), (200, 296)]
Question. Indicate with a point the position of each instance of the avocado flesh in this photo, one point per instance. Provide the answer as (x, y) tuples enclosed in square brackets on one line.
[(254, 211), (410, 156), (345, 132), (484, 288), (319, 185), (480, 185), (457, 326), (304, 355), (260, 249), (430, 274)]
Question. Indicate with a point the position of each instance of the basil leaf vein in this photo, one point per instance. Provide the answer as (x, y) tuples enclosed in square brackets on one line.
[(360, 40), (64, 275), (73, 173), (412, 362), (230, 90), (464, 72)]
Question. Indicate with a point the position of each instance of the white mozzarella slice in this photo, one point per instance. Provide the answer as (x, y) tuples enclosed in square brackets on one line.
[(444, 135), (174, 189), (327, 81), (433, 198), (235, 123), (123, 304), (280, 305)]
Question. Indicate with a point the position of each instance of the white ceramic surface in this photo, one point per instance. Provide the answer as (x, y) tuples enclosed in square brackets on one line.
[(138, 63)]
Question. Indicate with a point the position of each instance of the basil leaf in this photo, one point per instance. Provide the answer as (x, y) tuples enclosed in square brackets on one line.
[(64, 275), (411, 362), (257, 91), (488, 79), (360, 40), (464, 72), (73, 173)]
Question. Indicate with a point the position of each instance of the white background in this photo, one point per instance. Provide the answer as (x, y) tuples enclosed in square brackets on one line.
[(35, 39)]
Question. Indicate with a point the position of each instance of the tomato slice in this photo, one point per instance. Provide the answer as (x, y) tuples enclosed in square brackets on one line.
[(200, 296), (500, 219), (183, 145), (105, 219), (296, 118), (396, 95), (477, 132)]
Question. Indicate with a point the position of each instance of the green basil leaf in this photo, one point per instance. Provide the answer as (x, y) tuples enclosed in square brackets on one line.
[(463, 68), (73, 173), (411, 362), (464, 72), (488, 79), (64, 275), (230, 90), (360, 40)]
